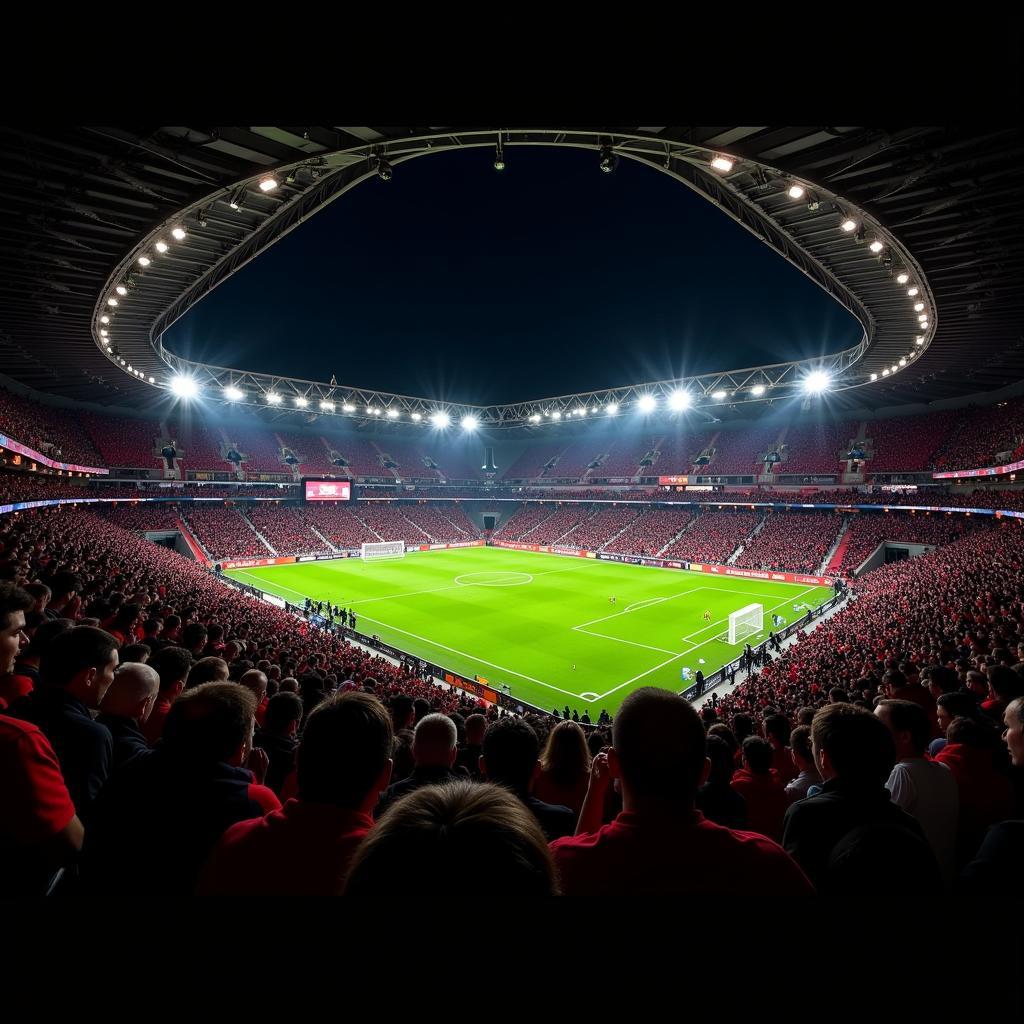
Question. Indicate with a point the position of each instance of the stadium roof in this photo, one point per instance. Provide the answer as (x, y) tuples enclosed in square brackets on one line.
[(83, 205)]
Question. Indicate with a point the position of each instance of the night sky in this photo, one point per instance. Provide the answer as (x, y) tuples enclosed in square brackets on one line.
[(453, 281)]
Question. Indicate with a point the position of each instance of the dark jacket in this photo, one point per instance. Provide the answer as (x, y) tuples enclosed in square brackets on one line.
[(83, 747), (555, 820), (157, 820), (720, 803), (428, 776), (816, 825), (281, 752), (994, 874), (127, 736)]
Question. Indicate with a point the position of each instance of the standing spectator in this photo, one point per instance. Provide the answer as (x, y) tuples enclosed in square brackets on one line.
[(716, 799), (278, 737), (777, 732), (173, 665), (304, 849), (76, 670), (564, 768), (922, 788), (803, 761), (510, 759), (660, 844), (256, 681), (24, 676), (761, 788), (160, 816), (125, 707), (434, 747)]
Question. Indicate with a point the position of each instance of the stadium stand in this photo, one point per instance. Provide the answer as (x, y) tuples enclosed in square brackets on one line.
[(604, 523), (124, 442), (260, 448), (338, 525), (531, 462), (868, 531), (736, 451), (677, 454), (285, 530), (794, 541), (910, 443), (224, 533), (816, 448), (981, 433), (652, 531), (519, 525), (314, 459), (50, 430), (714, 537)]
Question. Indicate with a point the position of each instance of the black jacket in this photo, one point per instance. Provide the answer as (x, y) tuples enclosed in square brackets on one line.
[(432, 776), (83, 747), (281, 752), (128, 739), (555, 820)]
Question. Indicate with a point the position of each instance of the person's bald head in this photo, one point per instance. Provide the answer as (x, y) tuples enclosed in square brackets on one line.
[(133, 692), (256, 680), (435, 742)]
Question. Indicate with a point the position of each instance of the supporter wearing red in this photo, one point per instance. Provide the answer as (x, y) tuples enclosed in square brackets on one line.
[(255, 680), (24, 676), (434, 748), (986, 796), (1004, 686), (803, 763), (659, 844), (994, 873), (509, 759), (76, 670), (172, 665), (159, 817), (435, 828), (564, 768), (924, 789), (904, 686), (277, 737), (125, 707), (304, 849), (853, 818), (761, 789), (776, 731)]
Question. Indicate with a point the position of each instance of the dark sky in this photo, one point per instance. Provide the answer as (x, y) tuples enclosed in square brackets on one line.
[(454, 281)]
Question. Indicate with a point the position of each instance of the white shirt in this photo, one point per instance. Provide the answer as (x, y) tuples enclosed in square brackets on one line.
[(928, 791)]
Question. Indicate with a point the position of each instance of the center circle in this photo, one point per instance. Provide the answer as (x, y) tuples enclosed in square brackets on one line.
[(493, 579)]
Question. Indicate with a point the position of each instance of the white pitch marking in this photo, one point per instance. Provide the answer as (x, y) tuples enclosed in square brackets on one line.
[(619, 640)]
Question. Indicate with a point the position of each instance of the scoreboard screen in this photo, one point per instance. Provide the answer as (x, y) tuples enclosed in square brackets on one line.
[(328, 490)]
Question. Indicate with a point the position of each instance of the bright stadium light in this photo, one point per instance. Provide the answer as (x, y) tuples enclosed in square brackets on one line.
[(874, 376), (795, 191), (679, 400), (111, 301), (849, 225), (647, 403), (535, 418), (103, 332), (416, 417), (903, 361), (161, 246), (816, 381), (392, 414), (268, 184), (440, 418), (183, 386), (912, 291), (918, 306), (757, 390), (722, 163), (902, 278), (233, 394), (179, 233), (885, 373), (348, 408), (301, 401), (556, 415), (152, 380), (469, 423), (327, 406), (720, 394), (876, 246), (144, 261), (374, 411), (273, 398), (919, 340), (612, 408), (121, 290), (104, 319)]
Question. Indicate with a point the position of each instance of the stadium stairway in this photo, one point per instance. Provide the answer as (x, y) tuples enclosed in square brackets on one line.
[(455, 525), (423, 533), (839, 550), (317, 533), (672, 540), (198, 551), (746, 540), (263, 540), (610, 540)]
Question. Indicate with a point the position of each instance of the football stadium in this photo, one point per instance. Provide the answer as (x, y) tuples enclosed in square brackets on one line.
[(631, 512)]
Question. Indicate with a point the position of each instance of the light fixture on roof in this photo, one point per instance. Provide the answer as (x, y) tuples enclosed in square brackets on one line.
[(499, 157), (556, 415), (902, 278), (813, 203), (719, 395), (179, 233), (919, 340), (903, 361), (894, 368), (816, 382), (144, 261), (184, 386), (647, 403), (161, 246), (121, 290), (860, 237), (111, 301), (612, 408), (384, 170), (375, 411), (922, 318), (722, 163), (874, 376), (924, 325), (918, 306), (348, 408), (876, 246), (327, 406), (301, 401), (392, 414), (757, 390), (268, 184), (103, 332), (885, 373), (121, 361), (235, 202), (469, 423), (273, 398), (130, 370), (609, 158), (440, 418), (795, 191), (535, 418), (152, 380), (849, 225), (912, 291), (104, 319), (679, 400), (233, 394), (416, 417)]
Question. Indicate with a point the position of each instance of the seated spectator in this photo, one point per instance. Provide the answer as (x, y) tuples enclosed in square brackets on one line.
[(947, 707), (304, 849), (924, 789), (207, 670), (803, 761), (469, 754), (278, 737), (256, 681), (159, 817), (1004, 686), (564, 768), (403, 714), (986, 796), (75, 672), (429, 833), (510, 759), (776, 731), (761, 788), (135, 653), (716, 799), (173, 665), (434, 747), (125, 707), (659, 844), (854, 753), (994, 873), (24, 676)]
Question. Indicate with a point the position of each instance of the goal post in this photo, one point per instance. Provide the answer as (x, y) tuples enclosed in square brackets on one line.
[(746, 622), (384, 549)]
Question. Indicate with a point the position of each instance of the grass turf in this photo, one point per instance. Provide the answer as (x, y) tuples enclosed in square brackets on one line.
[(542, 624)]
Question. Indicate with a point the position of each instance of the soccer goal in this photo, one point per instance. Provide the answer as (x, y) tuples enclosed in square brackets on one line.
[(384, 549), (746, 622)]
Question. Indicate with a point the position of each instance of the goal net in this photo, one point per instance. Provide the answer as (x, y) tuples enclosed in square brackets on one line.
[(383, 549), (746, 622)]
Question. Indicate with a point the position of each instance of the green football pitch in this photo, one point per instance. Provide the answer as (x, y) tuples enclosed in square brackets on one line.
[(542, 624)]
